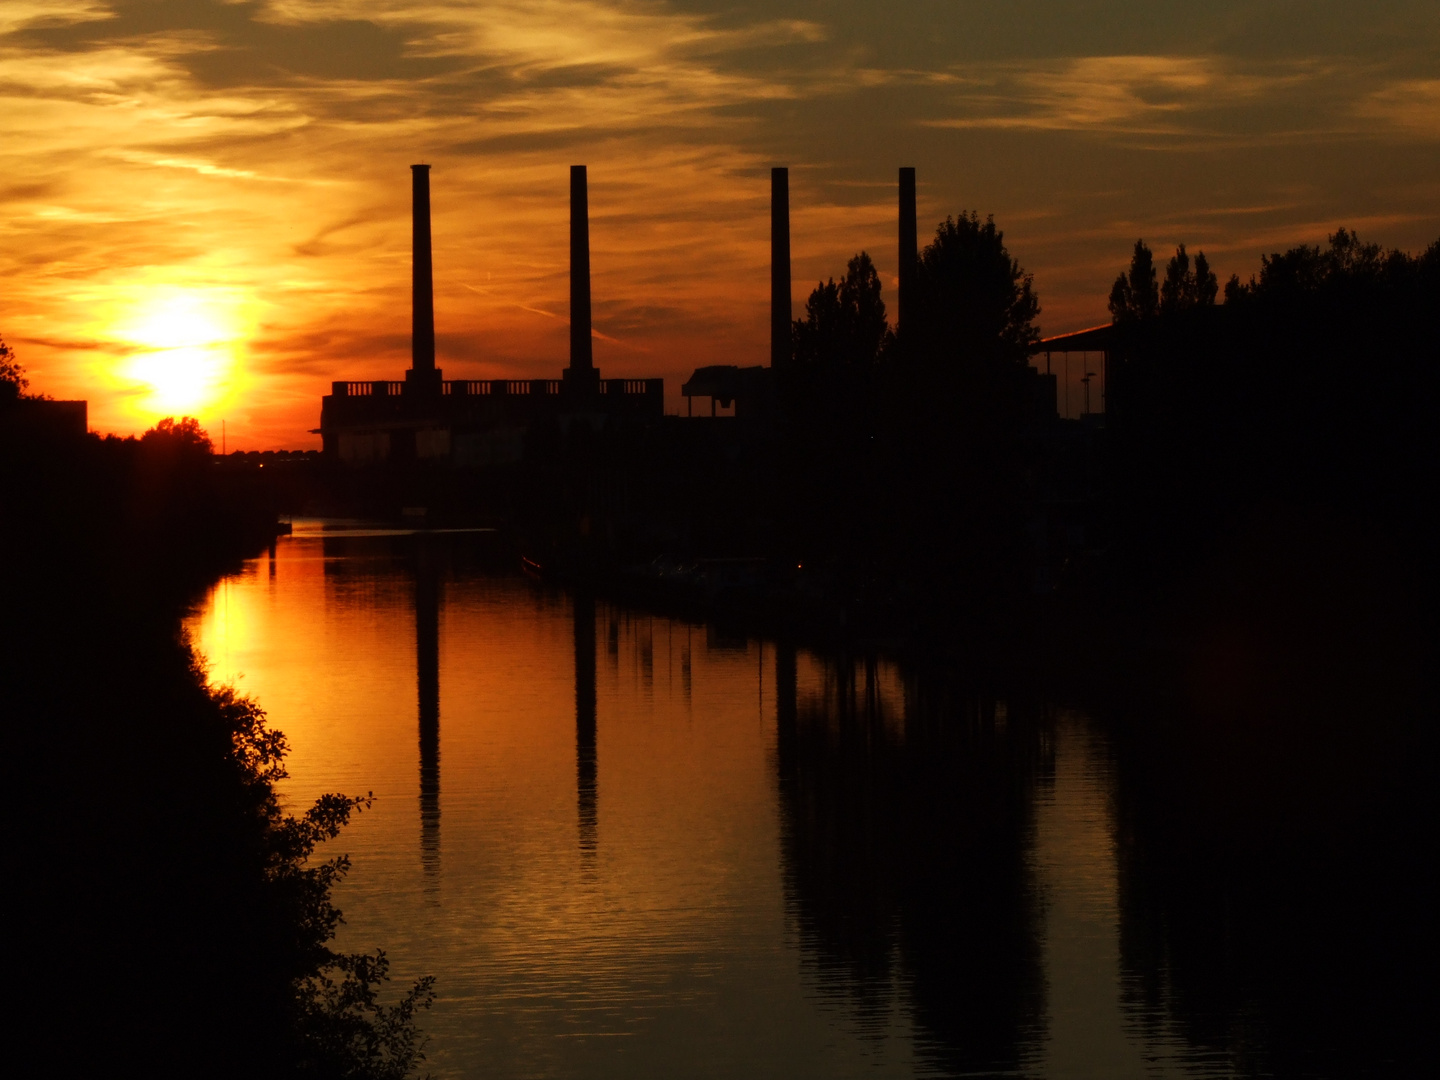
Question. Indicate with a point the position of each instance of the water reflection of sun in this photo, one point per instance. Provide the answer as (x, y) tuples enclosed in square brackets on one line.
[(183, 346)]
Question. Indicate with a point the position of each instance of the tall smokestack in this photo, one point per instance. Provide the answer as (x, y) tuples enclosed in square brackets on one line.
[(422, 284), (582, 359), (909, 247), (779, 268)]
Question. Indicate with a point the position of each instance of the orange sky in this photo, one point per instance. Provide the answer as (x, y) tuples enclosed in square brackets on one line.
[(207, 201)]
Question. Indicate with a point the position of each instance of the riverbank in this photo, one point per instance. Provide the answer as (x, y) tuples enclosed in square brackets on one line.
[(174, 920)]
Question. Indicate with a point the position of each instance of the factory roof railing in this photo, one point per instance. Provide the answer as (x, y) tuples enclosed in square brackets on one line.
[(497, 388)]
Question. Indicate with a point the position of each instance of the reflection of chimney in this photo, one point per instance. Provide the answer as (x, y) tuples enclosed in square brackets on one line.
[(586, 764), (427, 691), (581, 374), (779, 268), (908, 247), (422, 302), (786, 710)]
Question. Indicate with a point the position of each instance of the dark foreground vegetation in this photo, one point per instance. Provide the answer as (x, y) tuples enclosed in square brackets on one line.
[(170, 919)]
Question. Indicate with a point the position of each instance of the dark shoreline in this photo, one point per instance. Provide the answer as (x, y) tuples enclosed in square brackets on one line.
[(174, 919)]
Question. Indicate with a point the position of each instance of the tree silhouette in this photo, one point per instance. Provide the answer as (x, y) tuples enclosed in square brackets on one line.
[(844, 325), (186, 437), (975, 302), (1134, 296), (339, 1026), (1346, 264), (1185, 288), (13, 382)]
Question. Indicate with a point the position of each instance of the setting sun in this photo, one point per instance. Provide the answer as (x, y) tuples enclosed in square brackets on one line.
[(185, 344)]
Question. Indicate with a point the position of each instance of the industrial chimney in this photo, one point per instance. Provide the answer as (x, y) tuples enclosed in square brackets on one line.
[(780, 268), (909, 253), (422, 374), (581, 375)]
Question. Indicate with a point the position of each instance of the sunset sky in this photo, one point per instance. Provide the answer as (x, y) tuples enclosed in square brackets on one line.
[(207, 202)]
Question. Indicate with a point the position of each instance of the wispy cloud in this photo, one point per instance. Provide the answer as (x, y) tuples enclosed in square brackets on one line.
[(1148, 95), (543, 34), (1411, 106), (24, 14)]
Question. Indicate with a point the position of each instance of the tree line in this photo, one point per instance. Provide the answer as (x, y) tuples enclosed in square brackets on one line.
[(922, 464)]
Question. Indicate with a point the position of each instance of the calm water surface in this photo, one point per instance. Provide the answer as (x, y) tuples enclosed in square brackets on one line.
[(631, 846)]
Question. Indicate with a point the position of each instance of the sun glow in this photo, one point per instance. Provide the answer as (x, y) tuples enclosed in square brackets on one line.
[(184, 346)]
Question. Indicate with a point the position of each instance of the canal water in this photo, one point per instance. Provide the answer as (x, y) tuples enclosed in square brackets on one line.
[(633, 846)]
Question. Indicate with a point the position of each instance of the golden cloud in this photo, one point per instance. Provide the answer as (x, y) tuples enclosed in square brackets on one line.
[(1150, 95), (1410, 106)]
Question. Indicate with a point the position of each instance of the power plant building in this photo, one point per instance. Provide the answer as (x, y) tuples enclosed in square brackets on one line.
[(478, 422), (482, 422)]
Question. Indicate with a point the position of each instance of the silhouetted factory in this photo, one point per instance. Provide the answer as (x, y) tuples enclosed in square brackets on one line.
[(476, 422), (480, 422)]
